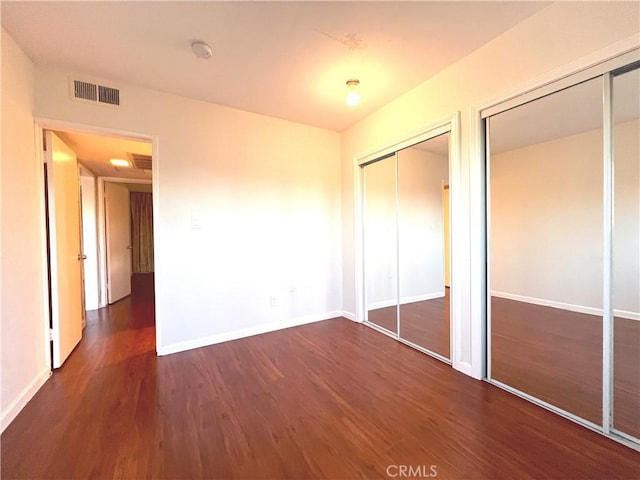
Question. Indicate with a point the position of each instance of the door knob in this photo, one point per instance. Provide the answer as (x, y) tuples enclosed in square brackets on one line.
[(82, 257), (129, 247)]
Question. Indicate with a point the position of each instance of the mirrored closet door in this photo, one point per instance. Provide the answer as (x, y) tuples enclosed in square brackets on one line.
[(545, 177), (406, 228), (381, 243), (423, 240), (563, 249), (626, 254)]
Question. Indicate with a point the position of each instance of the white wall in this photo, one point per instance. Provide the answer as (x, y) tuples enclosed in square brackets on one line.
[(626, 231), (504, 66), (421, 176), (90, 241), (546, 222), (380, 234), (22, 324), (267, 196)]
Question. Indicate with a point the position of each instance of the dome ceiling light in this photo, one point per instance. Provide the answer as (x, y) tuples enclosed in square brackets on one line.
[(353, 97)]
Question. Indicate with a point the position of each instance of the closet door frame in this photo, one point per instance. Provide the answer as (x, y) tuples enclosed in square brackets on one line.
[(451, 125), (606, 69)]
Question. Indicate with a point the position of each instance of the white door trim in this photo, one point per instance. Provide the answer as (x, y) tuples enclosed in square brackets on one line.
[(40, 161)]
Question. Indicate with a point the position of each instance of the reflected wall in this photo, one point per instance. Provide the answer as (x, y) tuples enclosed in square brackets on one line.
[(423, 176), (381, 243)]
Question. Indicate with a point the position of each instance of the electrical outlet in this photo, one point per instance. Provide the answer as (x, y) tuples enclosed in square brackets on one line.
[(274, 301)]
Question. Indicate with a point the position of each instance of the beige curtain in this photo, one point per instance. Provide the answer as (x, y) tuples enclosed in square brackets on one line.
[(142, 231)]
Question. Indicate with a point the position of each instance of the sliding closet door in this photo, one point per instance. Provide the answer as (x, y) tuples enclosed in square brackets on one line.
[(626, 250), (545, 247), (423, 238), (380, 244)]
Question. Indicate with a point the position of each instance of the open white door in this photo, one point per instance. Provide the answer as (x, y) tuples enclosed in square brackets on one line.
[(63, 199), (118, 241)]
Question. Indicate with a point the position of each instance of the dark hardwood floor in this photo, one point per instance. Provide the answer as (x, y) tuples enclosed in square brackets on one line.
[(332, 399), (386, 318), (425, 323), (556, 356), (626, 376)]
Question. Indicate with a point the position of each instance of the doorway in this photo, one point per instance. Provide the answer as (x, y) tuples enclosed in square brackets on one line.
[(76, 164), (127, 219)]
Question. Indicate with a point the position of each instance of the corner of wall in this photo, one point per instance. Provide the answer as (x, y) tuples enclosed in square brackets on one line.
[(23, 298)]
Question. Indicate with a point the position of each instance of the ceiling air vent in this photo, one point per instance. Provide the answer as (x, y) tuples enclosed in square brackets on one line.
[(143, 162), (81, 90)]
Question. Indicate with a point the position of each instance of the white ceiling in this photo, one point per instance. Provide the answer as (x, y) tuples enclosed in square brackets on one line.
[(288, 60), (568, 112), (94, 152), (438, 145)]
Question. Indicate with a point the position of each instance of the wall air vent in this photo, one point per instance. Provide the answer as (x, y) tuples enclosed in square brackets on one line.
[(108, 95), (92, 92), (85, 90), (143, 162)]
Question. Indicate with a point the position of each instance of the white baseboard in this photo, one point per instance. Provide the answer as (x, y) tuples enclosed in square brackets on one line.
[(565, 306), (245, 332), (27, 394), (405, 300), (626, 314), (348, 315), (467, 369), (381, 304)]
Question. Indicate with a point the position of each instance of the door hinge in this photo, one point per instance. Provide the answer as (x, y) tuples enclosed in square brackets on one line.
[(51, 334)]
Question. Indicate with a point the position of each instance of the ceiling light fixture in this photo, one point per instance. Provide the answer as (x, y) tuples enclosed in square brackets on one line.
[(119, 162), (201, 49), (353, 97)]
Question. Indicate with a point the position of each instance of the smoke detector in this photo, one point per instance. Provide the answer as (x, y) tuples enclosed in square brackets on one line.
[(201, 49)]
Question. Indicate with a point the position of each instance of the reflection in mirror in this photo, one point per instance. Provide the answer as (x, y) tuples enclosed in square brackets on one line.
[(546, 248), (626, 250), (423, 236), (380, 243)]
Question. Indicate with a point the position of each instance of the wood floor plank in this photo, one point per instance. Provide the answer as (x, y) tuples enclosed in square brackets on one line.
[(332, 399)]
